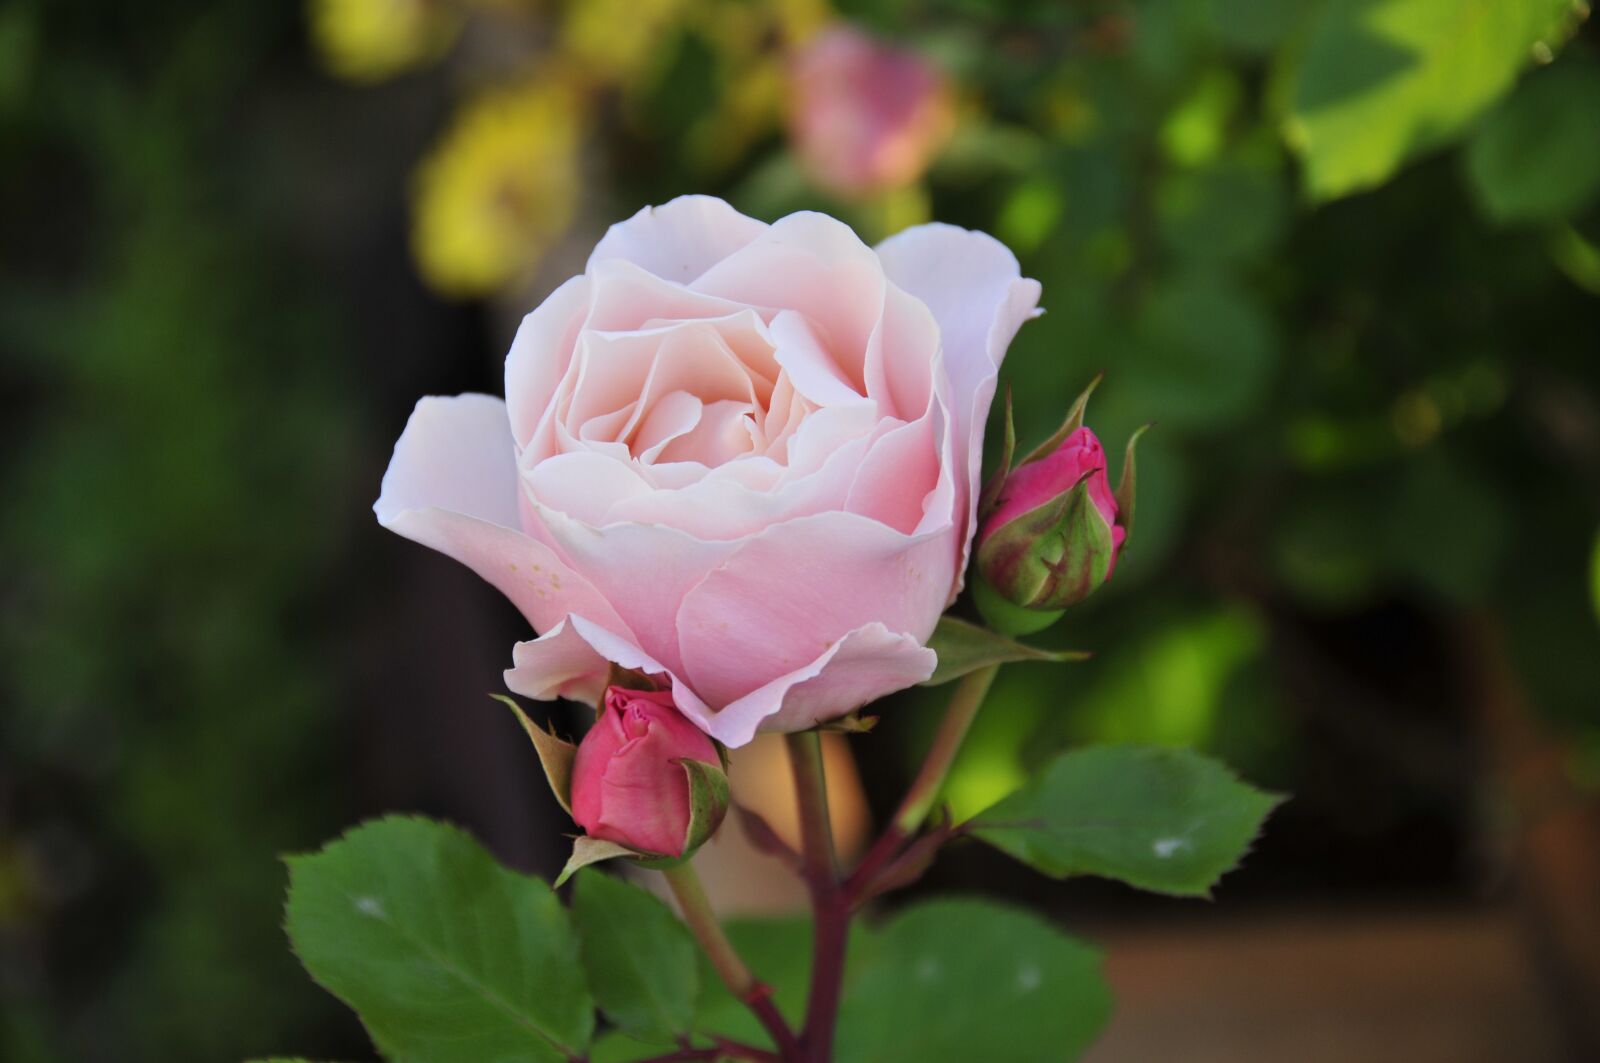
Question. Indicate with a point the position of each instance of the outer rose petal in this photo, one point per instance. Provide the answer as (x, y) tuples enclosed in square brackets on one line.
[(976, 290), (452, 485), (643, 570), (797, 588), (865, 665), (541, 352), (558, 664), (548, 667), (679, 240)]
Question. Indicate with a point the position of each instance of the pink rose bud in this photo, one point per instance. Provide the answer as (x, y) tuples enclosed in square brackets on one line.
[(1054, 532), (866, 117), (629, 781)]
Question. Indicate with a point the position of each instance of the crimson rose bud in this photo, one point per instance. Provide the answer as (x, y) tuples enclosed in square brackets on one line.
[(629, 784), (1053, 535)]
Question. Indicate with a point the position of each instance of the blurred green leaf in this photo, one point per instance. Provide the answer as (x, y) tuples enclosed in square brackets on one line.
[(1320, 553), (1166, 820), (639, 957), (1166, 686), (1537, 156), (962, 980), (1382, 81), (1202, 355), (1257, 25), (1227, 214), (1444, 528), (445, 955), (1194, 132)]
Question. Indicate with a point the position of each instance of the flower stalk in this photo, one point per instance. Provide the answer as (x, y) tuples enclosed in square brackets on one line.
[(830, 908), (702, 922), (919, 800)]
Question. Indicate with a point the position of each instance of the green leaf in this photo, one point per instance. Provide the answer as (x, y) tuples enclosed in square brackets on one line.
[(618, 1047), (965, 980), (586, 851), (446, 956), (1537, 156), (964, 647), (1202, 354), (1379, 82), (555, 754), (639, 957), (1167, 820)]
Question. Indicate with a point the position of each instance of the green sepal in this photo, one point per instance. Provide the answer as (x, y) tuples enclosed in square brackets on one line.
[(708, 803), (1005, 617), (965, 647), (587, 850), (1127, 485), (991, 490), (555, 754), (1073, 422)]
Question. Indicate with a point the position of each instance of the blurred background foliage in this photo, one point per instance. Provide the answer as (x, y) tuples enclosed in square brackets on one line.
[(1345, 253)]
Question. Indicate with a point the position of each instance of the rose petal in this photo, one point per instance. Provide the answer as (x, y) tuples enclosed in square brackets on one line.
[(643, 570), (540, 354), (452, 485), (679, 240), (816, 265), (866, 664), (557, 664), (574, 656), (798, 587), (976, 291)]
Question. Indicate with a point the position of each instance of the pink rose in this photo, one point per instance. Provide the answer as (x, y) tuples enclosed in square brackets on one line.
[(737, 456), (628, 782), (1039, 549), (865, 117)]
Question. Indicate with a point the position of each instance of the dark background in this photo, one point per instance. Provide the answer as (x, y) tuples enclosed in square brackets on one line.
[(1364, 570)]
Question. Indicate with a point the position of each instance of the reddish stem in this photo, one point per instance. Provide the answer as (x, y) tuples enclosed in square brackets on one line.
[(831, 909)]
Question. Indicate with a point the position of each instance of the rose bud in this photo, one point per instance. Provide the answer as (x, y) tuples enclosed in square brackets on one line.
[(865, 117), (1053, 529), (634, 779)]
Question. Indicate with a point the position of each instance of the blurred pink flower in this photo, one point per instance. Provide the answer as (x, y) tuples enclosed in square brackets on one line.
[(866, 117)]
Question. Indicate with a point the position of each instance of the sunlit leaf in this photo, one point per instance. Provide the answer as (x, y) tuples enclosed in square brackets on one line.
[(1381, 81), (1167, 820)]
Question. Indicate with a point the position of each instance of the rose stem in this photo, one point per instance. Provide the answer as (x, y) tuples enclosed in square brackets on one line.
[(919, 799), (702, 922), (831, 921)]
